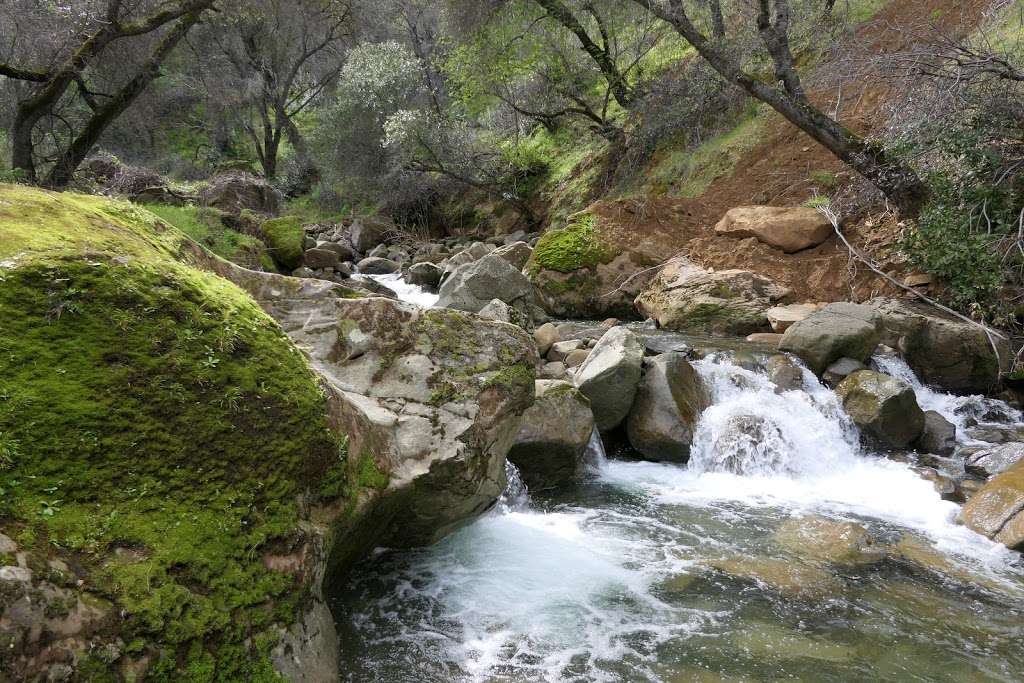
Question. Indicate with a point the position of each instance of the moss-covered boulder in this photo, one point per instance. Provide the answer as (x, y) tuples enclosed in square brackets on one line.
[(178, 480), (585, 270), (285, 239), (884, 407)]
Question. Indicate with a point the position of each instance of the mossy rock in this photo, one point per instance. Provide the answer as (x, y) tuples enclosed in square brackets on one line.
[(160, 430), (285, 239)]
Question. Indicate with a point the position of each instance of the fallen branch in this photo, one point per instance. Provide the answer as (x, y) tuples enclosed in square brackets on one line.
[(832, 218)]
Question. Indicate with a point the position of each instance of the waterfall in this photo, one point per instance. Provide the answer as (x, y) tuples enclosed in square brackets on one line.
[(753, 430), (516, 496), (595, 457), (413, 294)]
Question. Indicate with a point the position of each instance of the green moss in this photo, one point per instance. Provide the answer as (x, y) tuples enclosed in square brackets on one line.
[(285, 239), (516, 375), (571, 248), (369, 475), (205, 226), (165, 427)]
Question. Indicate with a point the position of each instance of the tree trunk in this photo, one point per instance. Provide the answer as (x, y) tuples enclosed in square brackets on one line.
[(717, 19)]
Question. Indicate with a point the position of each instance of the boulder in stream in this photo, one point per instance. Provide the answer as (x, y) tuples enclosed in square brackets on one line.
[(551, 444), (885, 408), (426, 275), (827, 540), (376, 265), (669, 401), (472, 286), (939, 435), (995, 460), (996, 510), (840, 330), (610, 375)]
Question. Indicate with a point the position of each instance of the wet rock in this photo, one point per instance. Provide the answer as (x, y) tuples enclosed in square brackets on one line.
[(826, 540), (546, 336), (781, 318), (784, 373), (686, 298), (426, 275), (610, 376), (344, 251), (939, 435), (669, 401), (317, 259), (517, 254), (923, 554), (944, 485), (944, 351), (840, 370), (790, 229), (790, 579), (837, 331), (992, 461), (375, 265), (367, 233), (472, 286), (884, 408), (552, 441), (997, 509), (559, 350)]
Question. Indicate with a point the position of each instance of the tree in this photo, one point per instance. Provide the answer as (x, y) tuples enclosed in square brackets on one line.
[(59, 76), (281, 55), (785, 94)]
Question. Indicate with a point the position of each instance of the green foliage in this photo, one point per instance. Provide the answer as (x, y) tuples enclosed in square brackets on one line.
[(571, 248), (128, 455), (285, 239), (204, 225)]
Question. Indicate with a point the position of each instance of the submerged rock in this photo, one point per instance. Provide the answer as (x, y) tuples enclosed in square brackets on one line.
[(784, 373), (826, 540), (790, 229), (884, 407), (791, 579), (610, 376), (686, 298), (996, 510), (669, 401), (550, 446), (837, 331)]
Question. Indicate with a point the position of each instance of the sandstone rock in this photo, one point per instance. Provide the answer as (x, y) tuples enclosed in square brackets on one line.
[(840, 370), (377, 266), (996, 460), (344, 251), (317, 259), (426, 275), (840, 330), (919, 280), (237, 192), (367, 233), (517, 254), (686, 298), (472, 286), (944, 352), (577, 358), (790, 229), (997, 509), (826, 540), (546, 335), (790, 579), (553, 371), (669, 401), (552, 441), (939, 435), (500, 311), (884, 407), (781, 318), (770, 338), (610, 376), (559, 350)]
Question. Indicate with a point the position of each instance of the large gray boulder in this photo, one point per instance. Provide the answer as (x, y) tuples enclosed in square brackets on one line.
[(473, 286), (551, 444), (885, 408), (686, 298), (426, 275), (840, 330), (375, 265), (669, 401), (939, 435), (610, 375), (367, 233), (236, 192), (944, 351), (517, 254), (996, 460)]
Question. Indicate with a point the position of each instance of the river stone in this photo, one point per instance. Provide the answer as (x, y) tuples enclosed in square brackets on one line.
[(939, 436), (344, 252), (546, 336), (791, 579), (552, 370), (376, 265), (884, 408), (669, 401), (686, 298), (840, 330), (367, 233), (560, 350), (517, 254), (781, 318), (840, 370), (943, 351), (997, 509), (426, 275), (610, 375), (784, 373), (551, 444), (472, 286), (577, 358), (320, 259), (500, 311), (993, 461), (826, 540), (790, 229)]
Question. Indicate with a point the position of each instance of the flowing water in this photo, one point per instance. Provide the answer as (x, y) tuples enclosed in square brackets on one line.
[(652, 572), (403, 290)]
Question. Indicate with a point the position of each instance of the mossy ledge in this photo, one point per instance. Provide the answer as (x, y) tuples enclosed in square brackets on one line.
[(571, 248), (163, 438)]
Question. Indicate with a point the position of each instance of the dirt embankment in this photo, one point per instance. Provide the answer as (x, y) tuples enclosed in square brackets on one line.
[(778, 171)]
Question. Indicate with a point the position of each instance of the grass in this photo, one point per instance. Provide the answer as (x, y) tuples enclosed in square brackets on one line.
[(146, 405), (204, 226)]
